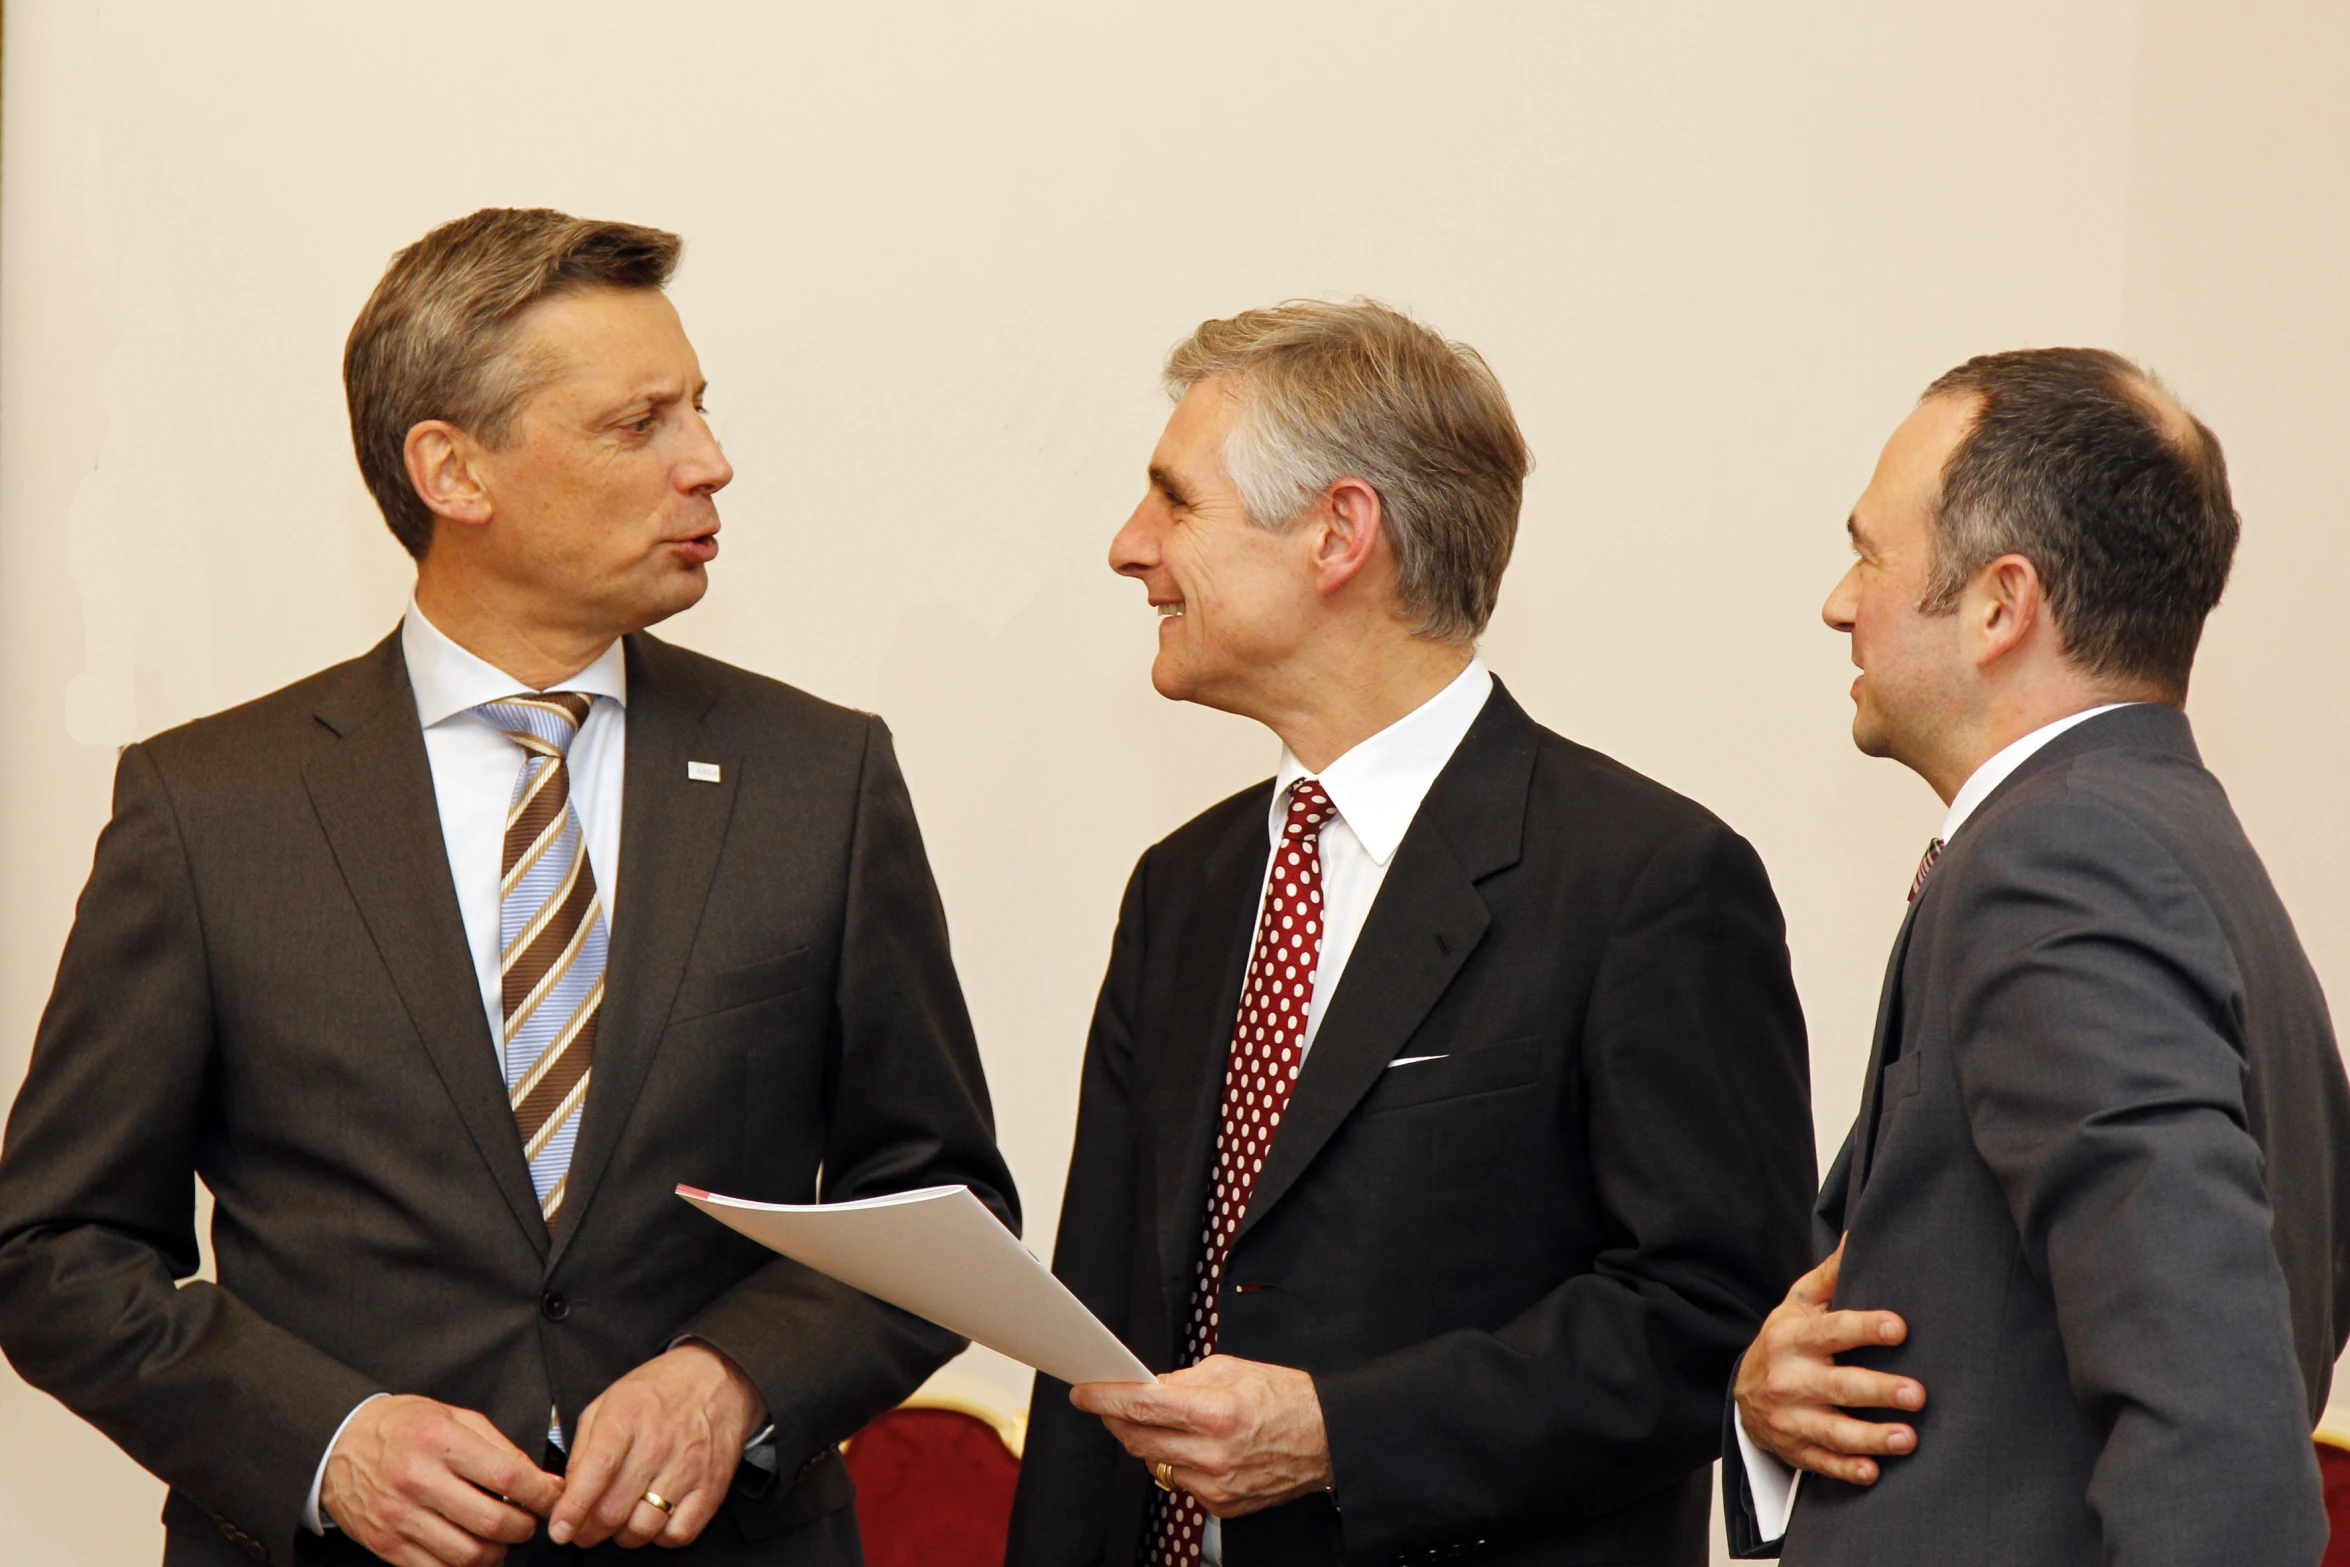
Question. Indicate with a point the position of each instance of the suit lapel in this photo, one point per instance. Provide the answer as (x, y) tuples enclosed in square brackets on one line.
[(1426, 920), (671, 831), (373, 792), (1212, 955), (1827, 1212), (1881, 1046)]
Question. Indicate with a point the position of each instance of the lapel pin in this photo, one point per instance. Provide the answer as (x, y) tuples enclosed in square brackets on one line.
[(702, 772)]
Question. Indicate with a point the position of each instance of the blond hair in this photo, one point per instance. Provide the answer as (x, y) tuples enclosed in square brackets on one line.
[(1329, 391), (433, 340)]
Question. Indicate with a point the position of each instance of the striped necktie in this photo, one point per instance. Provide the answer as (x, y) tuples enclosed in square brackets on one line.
[(552, 939), (1917, 883)]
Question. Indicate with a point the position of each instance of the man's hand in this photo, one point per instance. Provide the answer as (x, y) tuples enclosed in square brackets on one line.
[(1241, 1435), (424, 1485), (675, 1426), (1792, 1395)]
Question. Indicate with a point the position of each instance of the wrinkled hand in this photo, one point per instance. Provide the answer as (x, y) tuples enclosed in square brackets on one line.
[(1792, 1394), (1241, 1435), (674, 1426), (422, 1484)]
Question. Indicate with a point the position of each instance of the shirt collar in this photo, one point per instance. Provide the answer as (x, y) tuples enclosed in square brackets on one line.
[(1378, 785), (1996, 771), (448, 680)]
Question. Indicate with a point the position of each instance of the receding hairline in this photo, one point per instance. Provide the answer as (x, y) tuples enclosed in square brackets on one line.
[(2179, 429)]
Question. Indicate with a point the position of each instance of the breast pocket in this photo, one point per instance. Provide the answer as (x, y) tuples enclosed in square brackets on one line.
[(748, 985), (1901, 1079), (1483, 1069)]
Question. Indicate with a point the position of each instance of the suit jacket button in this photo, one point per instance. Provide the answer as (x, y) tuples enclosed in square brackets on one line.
[(554, 1307)]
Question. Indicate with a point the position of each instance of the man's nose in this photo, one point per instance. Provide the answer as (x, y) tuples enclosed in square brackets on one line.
[(1841, 608), (1135, 548), (705, 468)]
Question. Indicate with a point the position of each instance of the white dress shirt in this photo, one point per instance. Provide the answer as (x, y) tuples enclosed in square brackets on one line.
[(1377, 788), (1769, 1480)]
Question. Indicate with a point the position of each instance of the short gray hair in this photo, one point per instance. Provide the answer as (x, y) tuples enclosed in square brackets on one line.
[(1355, 390)]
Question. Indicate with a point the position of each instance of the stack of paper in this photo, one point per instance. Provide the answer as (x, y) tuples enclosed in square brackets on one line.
[(941, 1255)]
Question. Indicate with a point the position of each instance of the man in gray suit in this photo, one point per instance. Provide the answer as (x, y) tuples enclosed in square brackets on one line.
[(443, 967), (2088, 1235)]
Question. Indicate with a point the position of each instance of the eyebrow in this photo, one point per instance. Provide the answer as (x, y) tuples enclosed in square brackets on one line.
[(655, 397), (1164, 481)]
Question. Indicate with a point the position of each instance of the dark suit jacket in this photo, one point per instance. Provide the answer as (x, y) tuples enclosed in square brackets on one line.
[(1518, 1274), (268, 986), (2101, 1168)]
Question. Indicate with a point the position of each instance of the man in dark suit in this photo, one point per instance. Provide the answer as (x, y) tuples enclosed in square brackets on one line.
[(2097, 1203), (442, 967), (1444, 1128)]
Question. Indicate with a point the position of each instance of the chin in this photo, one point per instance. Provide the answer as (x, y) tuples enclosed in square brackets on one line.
[(1168, 680), (679, 593)]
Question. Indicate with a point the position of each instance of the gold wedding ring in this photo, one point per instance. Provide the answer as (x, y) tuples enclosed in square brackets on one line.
[(1163, 1473), (656, 1499)]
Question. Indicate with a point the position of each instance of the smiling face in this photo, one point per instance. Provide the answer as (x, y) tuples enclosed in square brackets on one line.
[(602, 503), (1235, 600), (1915, 681)]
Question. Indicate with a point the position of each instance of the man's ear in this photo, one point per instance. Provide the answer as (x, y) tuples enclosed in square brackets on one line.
[(443, 465), (1346, 525), (2003, 605)]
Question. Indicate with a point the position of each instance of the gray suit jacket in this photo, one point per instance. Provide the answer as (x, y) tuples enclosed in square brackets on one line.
[(2101, 1168), (268, 987)]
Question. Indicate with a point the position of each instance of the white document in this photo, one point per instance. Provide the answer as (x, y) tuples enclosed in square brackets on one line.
[(941, 1255)]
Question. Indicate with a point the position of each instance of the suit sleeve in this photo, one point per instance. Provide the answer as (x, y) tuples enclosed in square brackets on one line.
[(908, 1108), (1695, 1111), (97, 1204), (1059, 1514), (2096, 1019), (1743, 1506)]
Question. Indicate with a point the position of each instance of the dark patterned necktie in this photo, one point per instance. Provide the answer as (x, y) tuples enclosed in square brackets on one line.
[(1268, 1049), (551, 939), (1925, 868)]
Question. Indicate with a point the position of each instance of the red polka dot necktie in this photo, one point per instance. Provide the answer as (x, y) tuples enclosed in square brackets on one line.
[(1268, 1049)]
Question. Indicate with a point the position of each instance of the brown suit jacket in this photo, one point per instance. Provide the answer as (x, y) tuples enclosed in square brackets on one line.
[(267, 986)]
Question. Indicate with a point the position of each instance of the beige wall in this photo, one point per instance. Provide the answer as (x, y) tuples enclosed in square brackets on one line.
[(935, 254)]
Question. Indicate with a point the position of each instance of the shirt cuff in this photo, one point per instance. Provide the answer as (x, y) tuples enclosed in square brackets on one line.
[(1769, 1482), (314, 1517)]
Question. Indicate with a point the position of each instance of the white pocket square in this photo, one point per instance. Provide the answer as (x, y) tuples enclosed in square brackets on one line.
[(1414, 1060)]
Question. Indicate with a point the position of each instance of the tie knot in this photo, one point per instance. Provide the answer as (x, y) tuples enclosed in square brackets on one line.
[(1925, 868), (542, 721), (1310, 809)]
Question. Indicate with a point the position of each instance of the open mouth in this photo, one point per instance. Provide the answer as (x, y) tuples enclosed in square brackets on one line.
[(1172, 610)]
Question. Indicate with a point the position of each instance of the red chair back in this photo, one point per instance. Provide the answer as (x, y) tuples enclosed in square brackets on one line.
[(934, 1489), (2333, 1466)]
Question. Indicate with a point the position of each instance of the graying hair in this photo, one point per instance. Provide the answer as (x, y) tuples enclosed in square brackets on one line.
[(433, 340), (1331, 391)]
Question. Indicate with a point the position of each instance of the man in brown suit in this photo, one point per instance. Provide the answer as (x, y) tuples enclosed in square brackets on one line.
[(443, 967)]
